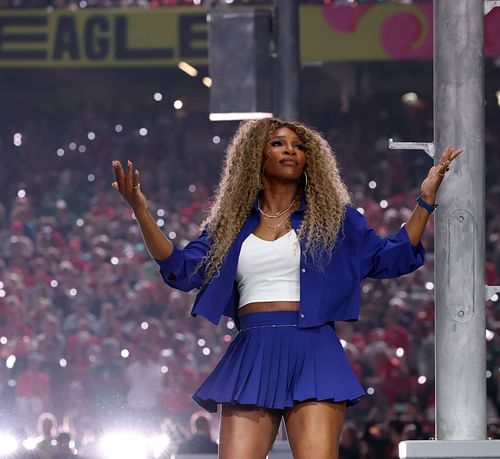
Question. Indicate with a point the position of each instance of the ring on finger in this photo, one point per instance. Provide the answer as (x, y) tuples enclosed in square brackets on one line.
[(136, 187)]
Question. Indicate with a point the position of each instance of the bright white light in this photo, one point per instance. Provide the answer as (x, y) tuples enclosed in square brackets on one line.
[(158, 96), (172, 235), (164, 369), (383, 204), (18, 139), (91, 178), (158, 445), (372, 184), (192, 188), (11, 383), (429, 285), (10, 362), (72, 146), (187, 68), (63, 363), (230, 324), (498, 98), (8, 444), (422, 379), (160, 213), (216, 139), (118, 128), (207, 81), (229, 1), (494, 298), (125, 353), (144, 325), (30, 443), (361, 210), (489, 335), (2, 284), (4, 340), (166, 352), (83, 4), (73, 292), (201, 342), (79, 222), (114, 260), (143, 132), (21, 194), (178, 104), (206, 351), (126, 445), (370, 391), (91, 135), (82, 148), (160, 222), (410, 98), (488, 373), (400, 352), (196, 2), (3, 293), (60, 152), (343, 342)]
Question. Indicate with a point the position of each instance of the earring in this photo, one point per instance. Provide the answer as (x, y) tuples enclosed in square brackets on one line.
[(261, 184), (305, 180)]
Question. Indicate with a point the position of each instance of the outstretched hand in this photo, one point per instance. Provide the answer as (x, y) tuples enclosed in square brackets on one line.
[(432, 182), (128, 184)]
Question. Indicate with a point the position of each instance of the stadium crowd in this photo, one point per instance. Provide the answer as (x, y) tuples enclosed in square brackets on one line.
[(92, 340)]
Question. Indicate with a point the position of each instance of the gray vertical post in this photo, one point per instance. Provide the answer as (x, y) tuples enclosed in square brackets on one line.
[(288, 59), (459, 243)]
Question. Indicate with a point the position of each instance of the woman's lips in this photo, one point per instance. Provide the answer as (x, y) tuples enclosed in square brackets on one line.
[(288, 162)]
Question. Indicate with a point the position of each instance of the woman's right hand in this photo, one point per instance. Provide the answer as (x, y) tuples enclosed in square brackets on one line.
[(128, 184)]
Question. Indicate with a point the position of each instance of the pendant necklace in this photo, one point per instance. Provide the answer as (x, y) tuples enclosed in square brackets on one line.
[(277, 214), (275, 227)]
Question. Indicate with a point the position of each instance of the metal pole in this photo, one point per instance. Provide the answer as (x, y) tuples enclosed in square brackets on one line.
[(288, 59), (459, 243)]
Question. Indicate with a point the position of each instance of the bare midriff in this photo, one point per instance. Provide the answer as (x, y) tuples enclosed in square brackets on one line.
[(266, 306)]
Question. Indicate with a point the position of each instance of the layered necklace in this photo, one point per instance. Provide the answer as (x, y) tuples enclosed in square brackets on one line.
[(276, 215)]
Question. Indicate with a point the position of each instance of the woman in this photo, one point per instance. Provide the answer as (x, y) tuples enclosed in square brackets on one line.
[(282, 252)]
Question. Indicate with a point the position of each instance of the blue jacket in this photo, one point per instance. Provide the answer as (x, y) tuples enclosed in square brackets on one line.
[(325, 296)]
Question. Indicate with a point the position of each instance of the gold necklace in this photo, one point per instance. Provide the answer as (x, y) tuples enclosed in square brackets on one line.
[(277, 214), (276, 227)]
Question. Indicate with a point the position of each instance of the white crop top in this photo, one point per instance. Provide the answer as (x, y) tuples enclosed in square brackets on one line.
[(269, 270)]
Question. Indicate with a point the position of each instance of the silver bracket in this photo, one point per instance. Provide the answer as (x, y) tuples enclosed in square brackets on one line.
[(491, 290), (425, 146), (489, 5)]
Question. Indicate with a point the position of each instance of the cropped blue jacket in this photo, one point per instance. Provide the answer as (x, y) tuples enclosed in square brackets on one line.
[(326, 295)]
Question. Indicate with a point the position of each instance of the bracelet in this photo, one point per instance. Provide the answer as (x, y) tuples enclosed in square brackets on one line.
[(428, 207)]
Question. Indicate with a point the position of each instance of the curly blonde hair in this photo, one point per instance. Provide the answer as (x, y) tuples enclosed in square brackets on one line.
[(325, 193)]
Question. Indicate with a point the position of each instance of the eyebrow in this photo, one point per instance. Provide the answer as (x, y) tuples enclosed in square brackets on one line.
[(284, 137)]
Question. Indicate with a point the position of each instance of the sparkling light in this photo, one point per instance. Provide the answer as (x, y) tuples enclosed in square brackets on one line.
[(160, 222), (410, 98), (82, 148), (494, 298), (79, 222), (118, 128), (230, 324), (429, 285), (361, 210), (160, 213), (4, 340), (91, 178), (164, 369), (159, 445), (54, 283), (206, 351), (158, 96), (143, 132), (2, 284), (63, 363), (192, 188), (216, 139), (489, 335), (21, 194), (488, 374), (126, 445), (3, 293), (10, 361), (178, 104), (207, 81), (227, 338), (343, 342), (8, 444), (370, 391), (187, 68), (372, 184), (125, 353), (91, 135), (172, 235), (73, 292), (72, 146), (60, 152), (144, 325), (18, 139), (201, 342), (114, 260), (383, 204), (30, 443), (83, 4), (400, 352), (422, 379)]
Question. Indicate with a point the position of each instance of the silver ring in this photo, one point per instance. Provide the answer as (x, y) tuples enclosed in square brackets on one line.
[(136, 187)]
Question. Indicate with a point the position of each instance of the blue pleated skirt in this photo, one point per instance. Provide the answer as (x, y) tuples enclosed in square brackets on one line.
[(273, 363)]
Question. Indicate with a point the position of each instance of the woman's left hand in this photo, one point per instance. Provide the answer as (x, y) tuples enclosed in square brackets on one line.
[(432, 182)]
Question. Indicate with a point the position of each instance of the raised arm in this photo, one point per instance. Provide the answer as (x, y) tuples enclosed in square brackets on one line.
[(127, 183), (418, 220)]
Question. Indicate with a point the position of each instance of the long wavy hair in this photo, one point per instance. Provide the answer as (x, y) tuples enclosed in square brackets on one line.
[(325, 193)]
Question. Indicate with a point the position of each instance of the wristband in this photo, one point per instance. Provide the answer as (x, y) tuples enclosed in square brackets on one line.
[(428, 207)]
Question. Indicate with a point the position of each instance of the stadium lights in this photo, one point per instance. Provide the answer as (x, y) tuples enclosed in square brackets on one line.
[(132, 445), (8, 445), (187, 68)]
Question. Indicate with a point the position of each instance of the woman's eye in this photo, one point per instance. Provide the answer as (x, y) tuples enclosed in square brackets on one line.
[(300, 146), (276, 143)]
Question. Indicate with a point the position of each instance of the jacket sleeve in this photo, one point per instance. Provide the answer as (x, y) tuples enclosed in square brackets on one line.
[(179, 269), (382, 257)]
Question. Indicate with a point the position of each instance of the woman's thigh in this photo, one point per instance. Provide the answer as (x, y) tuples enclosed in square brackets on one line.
[(313, 429), (247, 432)]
